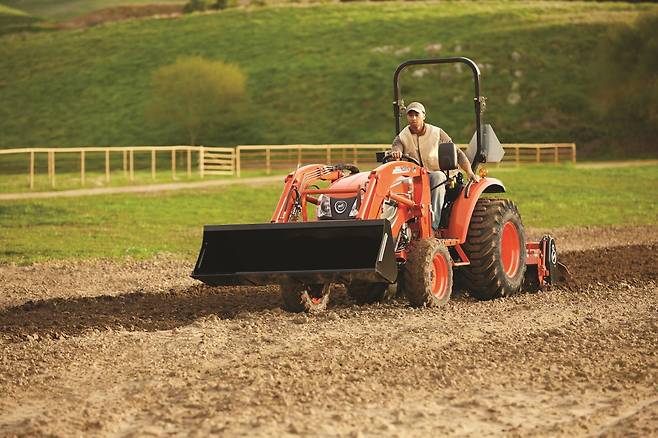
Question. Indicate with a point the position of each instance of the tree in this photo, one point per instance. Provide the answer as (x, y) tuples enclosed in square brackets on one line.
[(194, 94), (627, 88)]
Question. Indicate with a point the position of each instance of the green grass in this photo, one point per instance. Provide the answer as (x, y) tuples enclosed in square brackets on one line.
[(14, 20), (118, 178), (64, 9), (134, 225), (319, 74)]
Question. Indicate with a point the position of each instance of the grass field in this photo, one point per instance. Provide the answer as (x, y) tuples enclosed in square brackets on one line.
[(118, 178), (143, 225), (14, 20), (319, 74), (64, 9)]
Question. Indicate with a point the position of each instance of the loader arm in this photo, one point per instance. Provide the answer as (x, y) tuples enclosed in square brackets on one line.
[(295, 183), (386, 184)]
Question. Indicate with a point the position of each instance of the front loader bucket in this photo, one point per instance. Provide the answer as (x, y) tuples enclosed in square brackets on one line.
[(306, 252)]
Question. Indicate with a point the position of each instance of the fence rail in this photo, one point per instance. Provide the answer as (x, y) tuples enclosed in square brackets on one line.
[(212, 160)]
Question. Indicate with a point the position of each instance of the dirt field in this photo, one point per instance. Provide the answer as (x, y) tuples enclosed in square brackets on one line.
[(138, 349)]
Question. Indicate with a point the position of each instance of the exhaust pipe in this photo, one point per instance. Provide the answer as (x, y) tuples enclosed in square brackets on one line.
[(306, 252)]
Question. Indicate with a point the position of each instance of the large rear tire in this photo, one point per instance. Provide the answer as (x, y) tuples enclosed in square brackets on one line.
[(428, 274), (300, 298), (495, 245)]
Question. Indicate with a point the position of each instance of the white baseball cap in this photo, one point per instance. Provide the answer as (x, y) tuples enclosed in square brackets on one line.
[(416, 106)]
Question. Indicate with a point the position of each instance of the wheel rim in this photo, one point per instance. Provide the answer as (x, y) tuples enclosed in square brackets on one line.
[(440, 283), (315, 294), (510, 249)]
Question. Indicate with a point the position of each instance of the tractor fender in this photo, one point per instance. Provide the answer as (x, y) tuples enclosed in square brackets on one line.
[(462, 209)]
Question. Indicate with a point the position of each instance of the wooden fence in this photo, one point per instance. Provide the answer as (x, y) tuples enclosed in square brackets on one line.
[(231, 161), (211, 160), (287, 157)]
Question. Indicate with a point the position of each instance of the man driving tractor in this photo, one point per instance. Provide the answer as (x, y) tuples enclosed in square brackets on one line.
[(420, 141)]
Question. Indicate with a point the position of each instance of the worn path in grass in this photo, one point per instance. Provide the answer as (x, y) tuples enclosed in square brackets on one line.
[(140, 189), (224, 182)]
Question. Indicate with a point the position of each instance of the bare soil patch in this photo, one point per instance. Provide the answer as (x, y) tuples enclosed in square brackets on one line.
[(137, 348), (121, 13)]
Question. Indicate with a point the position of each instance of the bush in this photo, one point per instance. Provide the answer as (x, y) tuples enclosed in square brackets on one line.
[(627, 88), (196, 5), (195, 95), (220, 4)]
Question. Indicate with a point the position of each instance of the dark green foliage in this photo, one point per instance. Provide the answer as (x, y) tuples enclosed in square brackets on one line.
[(220, 4), (627, 90), (196, 6)]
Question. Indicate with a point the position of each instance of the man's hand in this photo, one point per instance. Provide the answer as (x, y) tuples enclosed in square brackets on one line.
[(473, 177), (396, 154)]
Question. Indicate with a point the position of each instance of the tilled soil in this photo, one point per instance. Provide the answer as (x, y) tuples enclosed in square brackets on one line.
[(137, 349)]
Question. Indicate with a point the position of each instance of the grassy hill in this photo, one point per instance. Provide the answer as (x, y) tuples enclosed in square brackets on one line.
[(320, 74), (58, 10), (14, 20)]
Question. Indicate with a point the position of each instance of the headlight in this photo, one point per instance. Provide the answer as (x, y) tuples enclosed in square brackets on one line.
[(324, 207)]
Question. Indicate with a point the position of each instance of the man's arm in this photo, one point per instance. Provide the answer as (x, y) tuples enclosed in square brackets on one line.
[(462, 159), (397, 148)]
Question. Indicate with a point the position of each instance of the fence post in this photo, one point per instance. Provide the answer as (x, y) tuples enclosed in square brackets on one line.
[(573, 153), (237, 152), (201, 162), (555, 157), (153, 163), (173, 163), (268, 168), (132, 165), (328, 155), (538, 154), (517, 155), (189, 162), (125, 163), (107, 165), (299, 156), (31, 169), (354, 155), (52, 167), (82, 167)]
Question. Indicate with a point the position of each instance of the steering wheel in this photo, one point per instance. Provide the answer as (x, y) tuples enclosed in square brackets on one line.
[(349, 167), (388, 158)]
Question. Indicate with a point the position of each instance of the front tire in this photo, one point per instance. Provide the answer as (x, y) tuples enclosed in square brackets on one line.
[(301, 298), (495, 245), (428, 274)]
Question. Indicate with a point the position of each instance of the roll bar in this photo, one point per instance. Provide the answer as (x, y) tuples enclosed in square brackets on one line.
[(478, 100)]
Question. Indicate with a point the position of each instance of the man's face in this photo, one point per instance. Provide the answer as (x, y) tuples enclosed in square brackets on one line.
[(416, 121)]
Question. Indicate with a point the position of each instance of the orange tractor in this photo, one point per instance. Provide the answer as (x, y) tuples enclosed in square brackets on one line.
[(372, 232)]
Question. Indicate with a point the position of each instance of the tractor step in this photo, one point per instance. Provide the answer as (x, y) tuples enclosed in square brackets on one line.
[(304, 252)]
